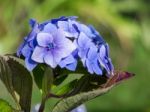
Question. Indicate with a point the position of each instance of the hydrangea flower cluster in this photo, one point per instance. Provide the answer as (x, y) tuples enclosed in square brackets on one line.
[(64, 42)]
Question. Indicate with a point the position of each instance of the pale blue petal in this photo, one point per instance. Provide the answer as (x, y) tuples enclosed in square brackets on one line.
[(82, 40), (68, 28), (49, 59), (85, 29), (83, 52), (26, 51), (50, 28), (72, 66), (68, 60), (30, 64), (64, 45), (107, 50), (102, 52), (38, 54), (44, 39), (96, 68), (92, 53), (89, 66), (57, 56), (63, 25), (68, 34)]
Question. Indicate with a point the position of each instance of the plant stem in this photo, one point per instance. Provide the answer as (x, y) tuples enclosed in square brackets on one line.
[(42, 106)]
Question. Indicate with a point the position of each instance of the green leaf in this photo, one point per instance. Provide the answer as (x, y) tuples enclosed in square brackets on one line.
[(87, 83), (59, 79), (69, 103), (6, 77), (43, 77), (47, 81), (5, 107), (66, 84), (67, 88), (38, 74), (22, 82)]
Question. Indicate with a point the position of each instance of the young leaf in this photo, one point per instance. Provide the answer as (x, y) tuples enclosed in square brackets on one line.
[(22, 82), (5, 107), (117, 78), (67, 104)]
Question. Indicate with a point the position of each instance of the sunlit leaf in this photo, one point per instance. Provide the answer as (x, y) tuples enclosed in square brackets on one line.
[(5, 107), (67, 84), (67, 88)]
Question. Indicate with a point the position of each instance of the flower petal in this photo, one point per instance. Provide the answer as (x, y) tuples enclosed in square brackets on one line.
[(38, 54), (57, 56), (63, 25), (26, 51), (65, 45), (72, 66), (89, 66), (49, 59), (92, 53), (82, 40), (49, 28), (44, 39), (30, 64), (102, 51), (85, 29), (68, 60), (96, 68)]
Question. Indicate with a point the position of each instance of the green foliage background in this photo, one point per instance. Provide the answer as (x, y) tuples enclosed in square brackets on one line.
[(124, 24)]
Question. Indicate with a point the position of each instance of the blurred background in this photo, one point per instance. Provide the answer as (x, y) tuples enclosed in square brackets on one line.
[(124, 24)]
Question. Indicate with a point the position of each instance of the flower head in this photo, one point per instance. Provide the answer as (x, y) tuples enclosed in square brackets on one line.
[(64, 42)]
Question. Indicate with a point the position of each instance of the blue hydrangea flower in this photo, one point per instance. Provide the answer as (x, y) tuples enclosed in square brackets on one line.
[(64, 42), (52, 46)]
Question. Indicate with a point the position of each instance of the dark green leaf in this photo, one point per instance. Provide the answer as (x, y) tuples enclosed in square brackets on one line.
[(69, 103), (22, 82), (38, 74), (6, 77), (59, 79), (47, 81), (87, 83), (5, 107)]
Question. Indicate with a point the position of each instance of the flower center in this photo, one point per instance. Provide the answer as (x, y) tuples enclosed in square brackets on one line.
[(50, 46)]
